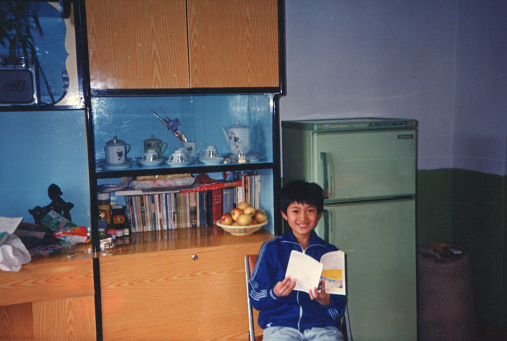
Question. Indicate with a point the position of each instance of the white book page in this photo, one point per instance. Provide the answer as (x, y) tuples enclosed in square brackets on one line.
[(334, 272), (305, 270), (9, 225)]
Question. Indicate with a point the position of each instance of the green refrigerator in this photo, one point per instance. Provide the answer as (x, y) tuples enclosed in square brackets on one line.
[(367, 168)]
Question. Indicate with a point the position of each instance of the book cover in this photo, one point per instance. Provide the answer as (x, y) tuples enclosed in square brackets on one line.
[(309, 271), (216, 201)]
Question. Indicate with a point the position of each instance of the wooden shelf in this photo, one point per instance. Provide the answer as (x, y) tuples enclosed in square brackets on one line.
[(183, 239)]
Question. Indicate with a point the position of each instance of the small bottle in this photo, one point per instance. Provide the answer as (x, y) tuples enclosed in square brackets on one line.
[(119, 219), (104, 203), (104, 207)]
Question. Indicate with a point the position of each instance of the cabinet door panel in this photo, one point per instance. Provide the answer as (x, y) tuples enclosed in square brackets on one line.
[(168, 295), (233, 43), (136, 44), (65, 319)]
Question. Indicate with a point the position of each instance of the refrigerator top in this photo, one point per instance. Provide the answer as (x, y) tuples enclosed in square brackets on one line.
[(351, 124)]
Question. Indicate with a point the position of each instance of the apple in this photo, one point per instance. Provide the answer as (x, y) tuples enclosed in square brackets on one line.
[(254, 222), (236, 212), (226, 219), (242, 205), (249, 210), (260, 216), (235, 223), (245, 219)]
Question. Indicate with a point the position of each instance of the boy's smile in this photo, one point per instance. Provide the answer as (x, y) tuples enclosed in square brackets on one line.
[(302, 219)]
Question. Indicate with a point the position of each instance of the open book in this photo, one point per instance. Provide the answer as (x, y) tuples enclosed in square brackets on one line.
[(308, 271)]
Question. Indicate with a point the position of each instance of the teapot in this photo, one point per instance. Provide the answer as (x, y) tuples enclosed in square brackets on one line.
[(238, 138), (157, 144)]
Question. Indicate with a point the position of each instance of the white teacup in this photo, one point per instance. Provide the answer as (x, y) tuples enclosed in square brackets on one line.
[(193, 147), (210, 152), (151, 155), (178, 156), (183, 150)]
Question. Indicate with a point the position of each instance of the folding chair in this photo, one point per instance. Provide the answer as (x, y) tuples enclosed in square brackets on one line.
[(249, 266)]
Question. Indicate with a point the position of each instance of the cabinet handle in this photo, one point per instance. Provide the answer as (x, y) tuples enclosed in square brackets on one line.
[(195, 257)]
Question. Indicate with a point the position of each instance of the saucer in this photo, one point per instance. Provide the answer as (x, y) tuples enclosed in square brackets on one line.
[(212, 160), (178, 164), (150, 163), (117, 166)]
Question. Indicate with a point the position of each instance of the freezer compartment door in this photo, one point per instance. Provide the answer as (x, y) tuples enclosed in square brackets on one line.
[(364, 165), (379, 241)]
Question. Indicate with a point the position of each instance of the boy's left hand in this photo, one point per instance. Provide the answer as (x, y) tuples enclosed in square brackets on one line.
[(320, 295)]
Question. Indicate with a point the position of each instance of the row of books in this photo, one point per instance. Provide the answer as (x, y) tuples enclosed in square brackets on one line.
[(191, 207)]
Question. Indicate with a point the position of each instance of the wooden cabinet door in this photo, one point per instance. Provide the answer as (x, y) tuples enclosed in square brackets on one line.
[(48, 301), (233, 43), (137, 44), (168, 295)]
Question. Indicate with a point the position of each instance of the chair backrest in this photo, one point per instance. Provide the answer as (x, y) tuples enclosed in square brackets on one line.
[(250, 261), (249, 266)]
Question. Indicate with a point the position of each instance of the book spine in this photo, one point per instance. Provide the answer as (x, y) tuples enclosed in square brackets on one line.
[(144, 214), (257, 192), (138, 219), (153, 213), (209, 208), (209, 187), (228, 199), (217, 205)]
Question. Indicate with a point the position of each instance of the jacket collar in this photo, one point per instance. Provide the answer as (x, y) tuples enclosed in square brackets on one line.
[(315, 240)]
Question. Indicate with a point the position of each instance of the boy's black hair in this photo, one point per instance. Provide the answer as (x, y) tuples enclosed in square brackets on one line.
[(301, 192)]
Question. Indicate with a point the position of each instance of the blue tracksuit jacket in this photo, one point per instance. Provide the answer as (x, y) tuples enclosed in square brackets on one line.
[(296, 310)]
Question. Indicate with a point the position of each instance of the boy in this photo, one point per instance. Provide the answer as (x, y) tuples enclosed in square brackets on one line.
[(286, 314)]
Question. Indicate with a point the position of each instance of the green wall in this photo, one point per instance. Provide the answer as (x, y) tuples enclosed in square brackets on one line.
[(469, 209)]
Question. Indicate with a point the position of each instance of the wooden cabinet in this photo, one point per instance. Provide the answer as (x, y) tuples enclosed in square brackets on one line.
[(174, 44), (233, 43), (186, 284), (51, 298), (136, 44)]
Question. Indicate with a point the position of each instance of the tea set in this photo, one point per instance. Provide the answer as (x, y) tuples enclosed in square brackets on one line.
[(116, 150)]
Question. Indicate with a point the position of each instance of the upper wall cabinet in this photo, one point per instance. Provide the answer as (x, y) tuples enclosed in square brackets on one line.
[(175, 44), (137, 44), (233, 43)]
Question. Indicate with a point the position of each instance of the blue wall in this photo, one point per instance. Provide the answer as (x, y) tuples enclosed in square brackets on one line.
[(38, 149)]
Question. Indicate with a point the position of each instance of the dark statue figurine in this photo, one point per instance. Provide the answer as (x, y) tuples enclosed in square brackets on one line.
[(57, 204)]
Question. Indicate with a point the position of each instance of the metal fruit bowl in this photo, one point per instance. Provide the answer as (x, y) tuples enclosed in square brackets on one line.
[(241, 230)]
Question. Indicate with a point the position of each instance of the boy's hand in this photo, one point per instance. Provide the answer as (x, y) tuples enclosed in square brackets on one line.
[(285, 287), (320, 295)]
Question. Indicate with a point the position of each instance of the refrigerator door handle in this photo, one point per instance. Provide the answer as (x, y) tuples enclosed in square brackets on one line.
[(327, 174), (328, 225)]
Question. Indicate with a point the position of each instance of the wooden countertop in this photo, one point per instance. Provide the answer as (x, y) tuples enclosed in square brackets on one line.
[(181, 239), (52, 276)]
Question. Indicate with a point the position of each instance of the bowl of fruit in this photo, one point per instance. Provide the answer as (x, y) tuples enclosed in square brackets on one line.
[(243, 220)]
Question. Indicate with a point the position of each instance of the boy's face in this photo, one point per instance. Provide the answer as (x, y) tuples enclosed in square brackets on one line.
[(302, 218)]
